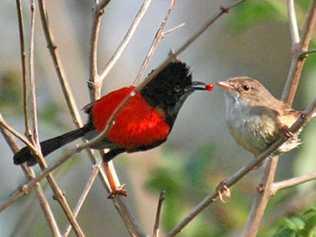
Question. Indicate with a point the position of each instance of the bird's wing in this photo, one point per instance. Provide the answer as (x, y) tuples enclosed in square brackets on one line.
[(265, 122)]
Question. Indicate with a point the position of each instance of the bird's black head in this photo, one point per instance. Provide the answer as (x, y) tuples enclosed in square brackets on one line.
[(170, 88)]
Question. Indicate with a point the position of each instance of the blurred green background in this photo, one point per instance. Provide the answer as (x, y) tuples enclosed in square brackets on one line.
[(253, 39)]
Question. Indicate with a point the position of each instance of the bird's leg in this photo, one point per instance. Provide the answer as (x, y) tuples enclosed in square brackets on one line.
[(286, 132), (115, 190), (223, 191)]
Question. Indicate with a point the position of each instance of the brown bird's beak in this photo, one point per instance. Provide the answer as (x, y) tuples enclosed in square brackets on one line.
[(226, 86)]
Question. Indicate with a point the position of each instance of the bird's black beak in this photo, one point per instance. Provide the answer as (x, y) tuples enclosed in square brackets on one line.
[(201, 86)]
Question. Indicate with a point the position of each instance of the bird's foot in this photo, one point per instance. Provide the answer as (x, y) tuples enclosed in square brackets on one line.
[(223, 191), (120, 190), (286, 132)]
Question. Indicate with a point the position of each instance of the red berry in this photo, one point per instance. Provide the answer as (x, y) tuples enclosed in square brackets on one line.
[(209, 87)]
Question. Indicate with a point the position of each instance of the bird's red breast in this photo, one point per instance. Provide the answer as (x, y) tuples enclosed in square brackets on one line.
[(137, 124)]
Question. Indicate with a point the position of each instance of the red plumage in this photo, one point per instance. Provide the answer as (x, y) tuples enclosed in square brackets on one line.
[(137, 124)]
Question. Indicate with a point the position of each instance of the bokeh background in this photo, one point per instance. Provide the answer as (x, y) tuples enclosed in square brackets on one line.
[(252, 40)]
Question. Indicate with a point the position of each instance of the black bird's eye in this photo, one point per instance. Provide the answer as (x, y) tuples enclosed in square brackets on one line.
[(177, 88), (245, 87)]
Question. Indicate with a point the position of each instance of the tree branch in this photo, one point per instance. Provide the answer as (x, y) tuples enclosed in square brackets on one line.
[(160, 34), (295, 37), (118, 52), (92, 177), (22, 52), (297, 62), (277, 186), (158, 214), (95, 90), (71, 103), (29, 173)]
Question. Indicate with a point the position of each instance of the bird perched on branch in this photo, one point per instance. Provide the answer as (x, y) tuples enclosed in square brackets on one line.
[(255, 118), (143, 123)]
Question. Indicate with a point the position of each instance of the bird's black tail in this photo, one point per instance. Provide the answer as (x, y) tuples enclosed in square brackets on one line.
[(50, 145)]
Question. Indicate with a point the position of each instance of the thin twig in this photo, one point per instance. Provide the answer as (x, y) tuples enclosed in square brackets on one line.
[(295, 36), (93, 58), (31, 109), (171, 30), (22, 51), (277, 186), (118, 52), (49, 216), (262, 198), (15, 133), (301, 121), (71, 103), (162, 197), (297, 62), (307, 53), (31, 129), (29, 173), (160, 34), (92, 177)]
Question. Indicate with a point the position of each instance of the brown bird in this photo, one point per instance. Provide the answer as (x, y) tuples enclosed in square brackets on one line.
[(255, 118)]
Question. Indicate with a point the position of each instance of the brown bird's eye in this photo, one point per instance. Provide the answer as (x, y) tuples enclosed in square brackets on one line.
[(245, 87)]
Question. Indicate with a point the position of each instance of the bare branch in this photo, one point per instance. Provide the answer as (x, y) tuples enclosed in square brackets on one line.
[(262, 198), (155, 43), (277, 186), (31, 109), (295, 37), (118, 52), (7, 127), (49, 216), (22, 52), (95, 89), (297, 62), (307, 53), (58, 64), (167, 32), (29, 173), (31, 129), (94, 173), (158, 214)]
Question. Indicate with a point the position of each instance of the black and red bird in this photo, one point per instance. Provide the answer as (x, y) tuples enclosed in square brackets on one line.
[(143, 123)]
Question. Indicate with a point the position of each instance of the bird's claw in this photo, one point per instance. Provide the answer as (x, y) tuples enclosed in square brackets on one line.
[(223, 191), (121, 191), (286, 132)]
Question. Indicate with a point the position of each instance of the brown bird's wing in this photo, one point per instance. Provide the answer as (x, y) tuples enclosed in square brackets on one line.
[(287, 115), (268, 124), (256, 130)]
